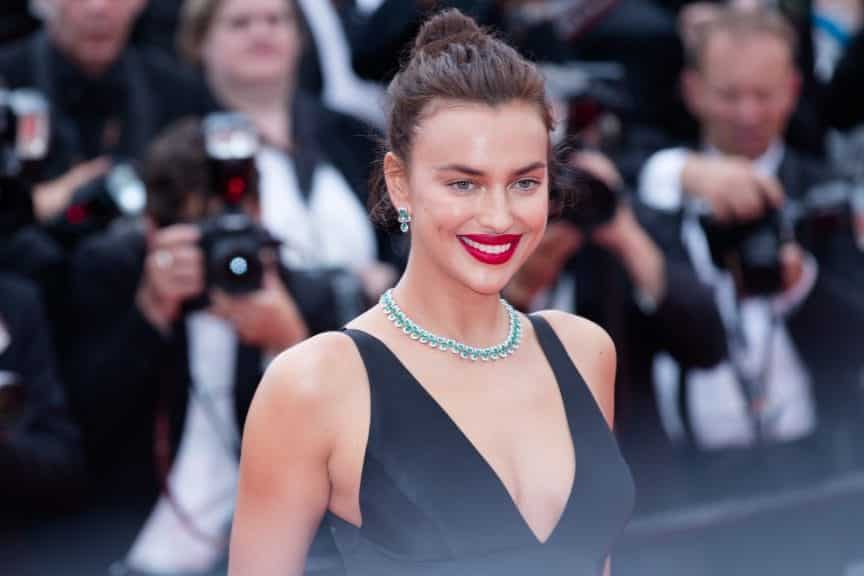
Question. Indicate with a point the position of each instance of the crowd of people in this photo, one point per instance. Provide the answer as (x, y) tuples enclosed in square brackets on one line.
[(719, 237)]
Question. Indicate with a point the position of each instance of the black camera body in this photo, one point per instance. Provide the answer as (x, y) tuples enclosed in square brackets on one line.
[(118, 194), (593, 204), (232, 242), (233, 245), (749, 250)]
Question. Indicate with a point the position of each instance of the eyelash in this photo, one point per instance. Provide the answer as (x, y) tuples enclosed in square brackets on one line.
[(455, 185), (533, 184)]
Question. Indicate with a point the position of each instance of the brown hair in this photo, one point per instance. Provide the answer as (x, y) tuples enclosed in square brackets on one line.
[(196, 19), (452, 59), (176, 172), (741, 22)]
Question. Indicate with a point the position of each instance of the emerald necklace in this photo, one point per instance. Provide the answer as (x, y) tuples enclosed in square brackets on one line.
[(415, 332)]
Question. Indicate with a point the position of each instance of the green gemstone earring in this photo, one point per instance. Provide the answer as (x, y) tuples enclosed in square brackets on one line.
[(404, 220)]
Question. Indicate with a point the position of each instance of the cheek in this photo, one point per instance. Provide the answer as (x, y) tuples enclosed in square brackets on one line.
[(221, 51), (446, 214), (534, 214)]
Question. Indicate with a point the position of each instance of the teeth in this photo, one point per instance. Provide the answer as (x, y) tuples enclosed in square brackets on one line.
[(488, 248)]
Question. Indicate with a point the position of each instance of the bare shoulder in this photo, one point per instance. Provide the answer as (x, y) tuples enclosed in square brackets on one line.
[(307, 383), (593, 353), (312, 370)]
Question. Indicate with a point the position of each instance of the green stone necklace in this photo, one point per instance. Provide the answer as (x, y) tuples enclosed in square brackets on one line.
[(415, 332)]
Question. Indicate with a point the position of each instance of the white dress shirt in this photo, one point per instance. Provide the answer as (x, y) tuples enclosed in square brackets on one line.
[(203, 477), (761, 351), (331, 228), (343, 90)]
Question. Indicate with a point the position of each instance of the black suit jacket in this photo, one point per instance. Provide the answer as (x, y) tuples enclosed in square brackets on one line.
[(41, 463), (116, 114), (128, 372), (605, 294), (832, 307)]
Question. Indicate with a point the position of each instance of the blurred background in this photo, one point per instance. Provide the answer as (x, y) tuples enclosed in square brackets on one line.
[(183, 189)]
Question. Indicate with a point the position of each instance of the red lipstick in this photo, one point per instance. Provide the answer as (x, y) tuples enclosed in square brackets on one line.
[(491, 249)]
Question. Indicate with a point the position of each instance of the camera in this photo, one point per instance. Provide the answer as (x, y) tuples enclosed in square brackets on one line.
[(749, 250), (594, 203), (591, 100), (24, 137), (232, 245), (118, 194), (231, 142), (232, 242)]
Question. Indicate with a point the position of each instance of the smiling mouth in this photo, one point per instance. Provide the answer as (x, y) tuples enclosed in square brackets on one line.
[(491, 249)]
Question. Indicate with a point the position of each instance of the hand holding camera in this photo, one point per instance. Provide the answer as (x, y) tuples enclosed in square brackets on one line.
[(731, 187), (637, 252), (268, 318), (173, 273), (52, 197)]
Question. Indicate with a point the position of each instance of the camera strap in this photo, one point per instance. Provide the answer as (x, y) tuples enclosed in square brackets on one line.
[(753, 374)]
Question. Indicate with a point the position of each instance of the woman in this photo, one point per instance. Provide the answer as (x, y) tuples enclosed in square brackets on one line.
[(312, 165), (495, 459)]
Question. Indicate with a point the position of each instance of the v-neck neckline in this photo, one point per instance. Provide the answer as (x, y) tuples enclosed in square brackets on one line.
[(483, 460)]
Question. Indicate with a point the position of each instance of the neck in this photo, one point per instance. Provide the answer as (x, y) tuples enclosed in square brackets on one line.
[(448, 308), (266, 105)]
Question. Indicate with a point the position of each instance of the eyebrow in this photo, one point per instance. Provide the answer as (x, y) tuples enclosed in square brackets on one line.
[(474, 172)]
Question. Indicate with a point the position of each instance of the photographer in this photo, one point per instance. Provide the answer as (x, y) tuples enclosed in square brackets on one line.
[(173, 348), (313, 162), (41, 464), (743, 86), (108, 99), (599, 260)]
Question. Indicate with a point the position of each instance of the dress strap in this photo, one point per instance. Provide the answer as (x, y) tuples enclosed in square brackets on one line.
[(582, 408)]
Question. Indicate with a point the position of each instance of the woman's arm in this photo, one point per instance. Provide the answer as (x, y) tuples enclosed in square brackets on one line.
[(284, 487)]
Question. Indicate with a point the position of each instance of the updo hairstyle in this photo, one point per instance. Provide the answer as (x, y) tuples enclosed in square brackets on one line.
[(452, 59)]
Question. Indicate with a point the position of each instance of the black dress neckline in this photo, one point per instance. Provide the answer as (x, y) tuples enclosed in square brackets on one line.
[(431, 505), (479, 456)]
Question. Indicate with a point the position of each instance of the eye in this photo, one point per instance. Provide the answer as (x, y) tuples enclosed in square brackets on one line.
[(462, 185), (526, 185), (239, 22)]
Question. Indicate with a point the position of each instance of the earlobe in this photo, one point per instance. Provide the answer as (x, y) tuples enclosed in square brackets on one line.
[(397, 180)]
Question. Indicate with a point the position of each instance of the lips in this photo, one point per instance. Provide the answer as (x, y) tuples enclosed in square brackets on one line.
[(490, 249)]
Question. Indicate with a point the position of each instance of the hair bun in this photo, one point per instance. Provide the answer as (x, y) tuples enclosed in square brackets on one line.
[(447, 27)]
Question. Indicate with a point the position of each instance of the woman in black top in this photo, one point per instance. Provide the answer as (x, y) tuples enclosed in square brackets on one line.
[(444, 432)]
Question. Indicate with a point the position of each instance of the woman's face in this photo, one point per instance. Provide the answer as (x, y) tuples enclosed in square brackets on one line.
[(477, 188), (252, 42)]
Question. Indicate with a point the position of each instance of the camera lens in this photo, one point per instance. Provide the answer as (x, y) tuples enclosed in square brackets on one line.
[(235, 266)]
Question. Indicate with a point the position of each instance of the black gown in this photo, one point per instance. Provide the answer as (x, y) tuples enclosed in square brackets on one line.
[(431, 505)]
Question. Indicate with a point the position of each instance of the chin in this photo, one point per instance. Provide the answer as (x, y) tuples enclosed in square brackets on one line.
[(489, 281)]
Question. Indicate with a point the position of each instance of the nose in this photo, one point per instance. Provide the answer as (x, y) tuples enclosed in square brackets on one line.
[(97, 6), (749, 111), (495, 212)]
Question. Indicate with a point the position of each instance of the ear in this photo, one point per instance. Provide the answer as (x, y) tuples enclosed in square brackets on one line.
[(396, 177), (693, 91)]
